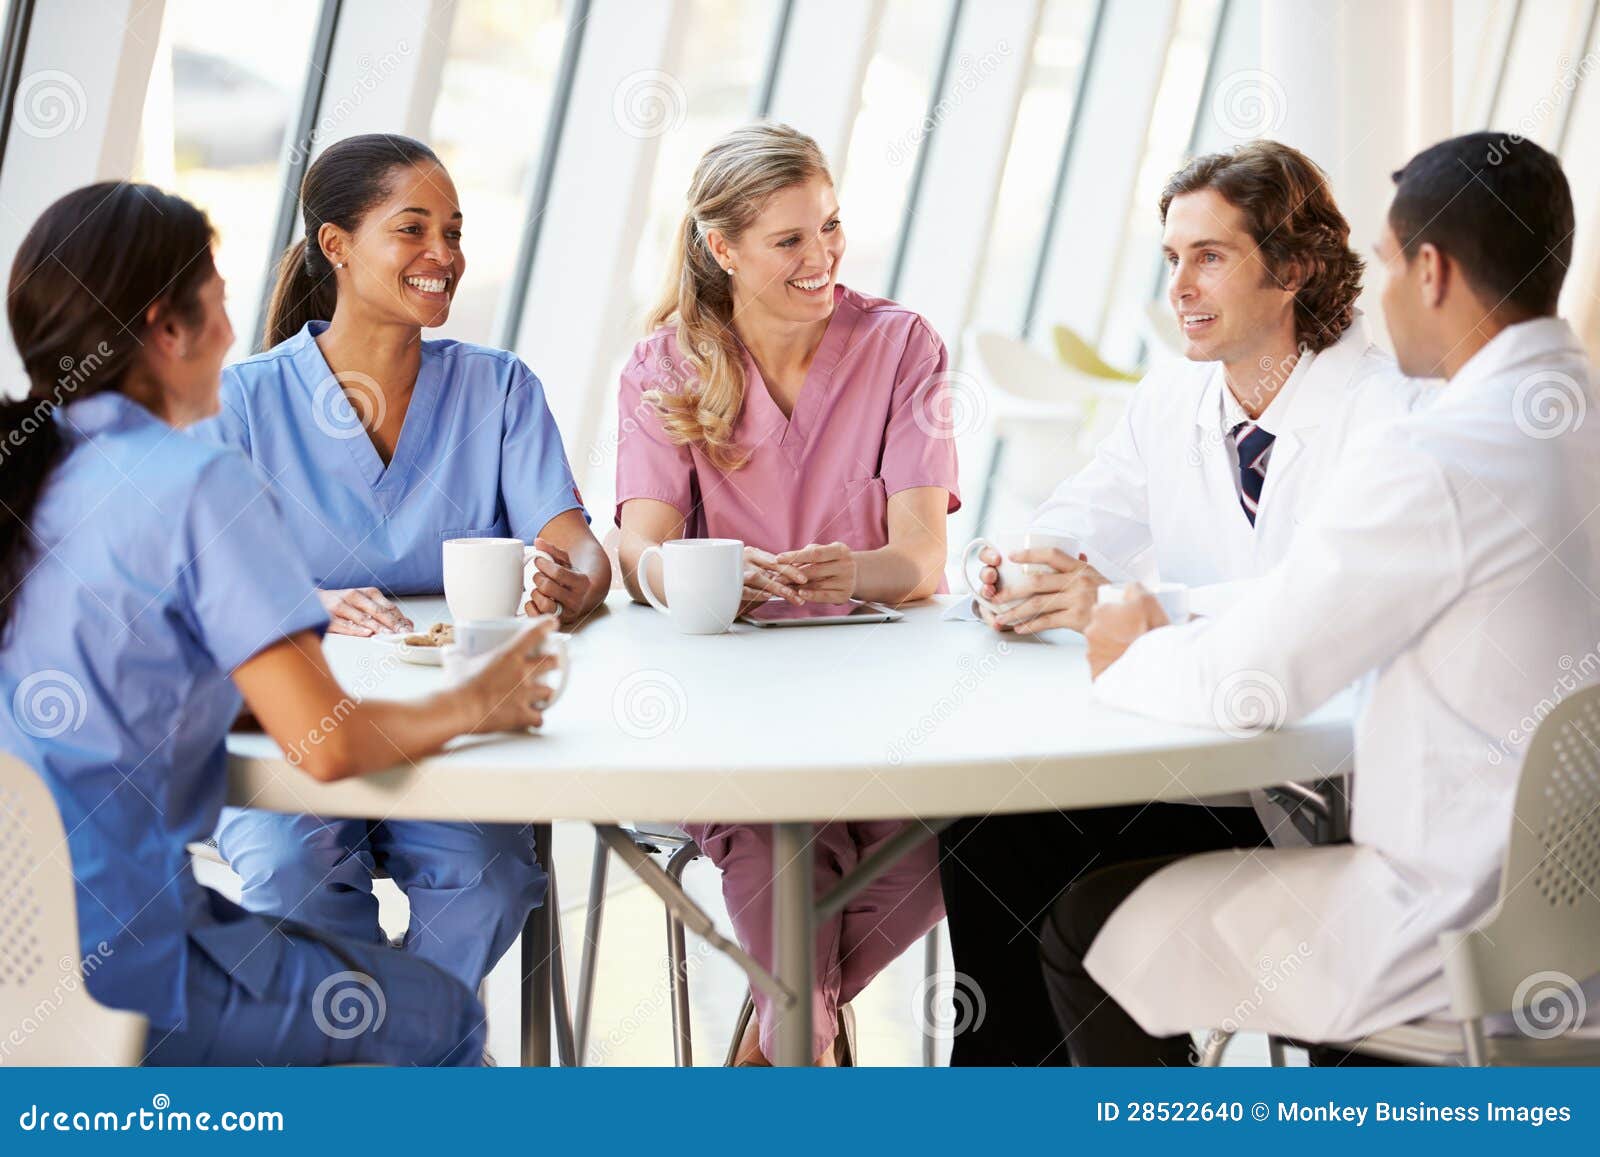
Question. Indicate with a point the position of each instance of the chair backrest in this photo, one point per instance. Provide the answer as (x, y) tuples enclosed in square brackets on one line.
[(1162, 328), (1542, 937), (1077, 353), (1016, 372), (47, 1016)]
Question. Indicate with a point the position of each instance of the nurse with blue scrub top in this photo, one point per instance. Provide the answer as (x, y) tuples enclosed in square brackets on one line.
[(380, 446), (154, 589)]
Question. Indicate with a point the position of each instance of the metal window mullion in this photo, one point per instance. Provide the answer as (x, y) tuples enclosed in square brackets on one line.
[(544, 177), (769, 76), (1505, 63), (19, 19), (1030, 309), (1202, 108), (1577, 82), (297, 153), (919, 167)]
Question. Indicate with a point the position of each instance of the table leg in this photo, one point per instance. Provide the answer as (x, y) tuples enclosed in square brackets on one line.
[(793, 937), (536, 948)]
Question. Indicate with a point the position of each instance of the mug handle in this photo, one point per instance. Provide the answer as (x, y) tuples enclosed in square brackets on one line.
[(644, 578), (529, 555), (556, 647), (967, 556)]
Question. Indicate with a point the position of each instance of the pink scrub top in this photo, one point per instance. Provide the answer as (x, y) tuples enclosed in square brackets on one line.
[(871, 420)]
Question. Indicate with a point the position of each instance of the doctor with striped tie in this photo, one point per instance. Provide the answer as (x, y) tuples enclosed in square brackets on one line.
[(1215, 464), (1252, 443)]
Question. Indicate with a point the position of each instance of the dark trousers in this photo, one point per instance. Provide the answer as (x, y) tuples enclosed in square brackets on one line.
[(1002, 876), (1097, 1030)]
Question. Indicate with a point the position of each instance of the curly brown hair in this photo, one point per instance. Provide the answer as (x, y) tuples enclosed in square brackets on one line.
[(1294, 221)]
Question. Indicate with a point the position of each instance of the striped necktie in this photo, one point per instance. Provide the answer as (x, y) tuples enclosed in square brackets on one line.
[(1255, 448)]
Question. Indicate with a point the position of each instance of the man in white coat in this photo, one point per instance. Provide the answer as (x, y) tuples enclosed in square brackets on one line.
[(1204, 482), (1452, 566)]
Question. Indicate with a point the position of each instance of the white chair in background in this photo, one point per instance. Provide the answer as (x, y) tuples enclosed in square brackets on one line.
[(47, 1017), (1046, 418), (1161, 330), (1524, 959)]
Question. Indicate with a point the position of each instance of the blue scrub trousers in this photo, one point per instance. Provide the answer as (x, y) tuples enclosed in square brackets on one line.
[(327, 1001), (471, 886)]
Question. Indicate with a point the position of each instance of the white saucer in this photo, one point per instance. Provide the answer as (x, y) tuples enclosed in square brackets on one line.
[(421, 656)]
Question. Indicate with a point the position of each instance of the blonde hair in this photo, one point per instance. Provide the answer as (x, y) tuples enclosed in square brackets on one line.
[(731, 186)]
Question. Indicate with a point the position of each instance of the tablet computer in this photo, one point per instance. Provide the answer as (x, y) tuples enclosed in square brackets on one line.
[(778, 613)]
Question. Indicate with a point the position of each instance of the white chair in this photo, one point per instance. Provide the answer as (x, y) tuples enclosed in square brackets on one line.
[(1526, 956), (47, 1017), (1039, 410), (1161, 330)]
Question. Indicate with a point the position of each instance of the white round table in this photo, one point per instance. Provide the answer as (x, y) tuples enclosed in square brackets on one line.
[(919, 719)]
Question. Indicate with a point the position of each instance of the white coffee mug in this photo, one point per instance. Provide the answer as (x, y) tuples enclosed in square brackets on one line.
[(1173, 597), (461, 664), (474, 637), (1007, 544), (487, 578), (703, 579)]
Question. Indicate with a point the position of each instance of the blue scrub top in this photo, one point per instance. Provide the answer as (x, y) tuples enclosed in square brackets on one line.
[(161, 563), (479, 455)]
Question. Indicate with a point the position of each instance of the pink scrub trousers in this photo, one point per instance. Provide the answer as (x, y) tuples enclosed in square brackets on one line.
[(888, 916)]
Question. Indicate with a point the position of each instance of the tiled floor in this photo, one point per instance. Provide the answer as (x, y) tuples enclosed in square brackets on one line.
[(632, 1020)]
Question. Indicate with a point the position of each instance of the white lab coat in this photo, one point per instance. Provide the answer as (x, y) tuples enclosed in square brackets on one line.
[(1452, 564), (1159, 502)]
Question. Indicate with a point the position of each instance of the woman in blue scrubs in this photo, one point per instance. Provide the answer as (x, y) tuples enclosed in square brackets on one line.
[(151, 583), (380, 446)]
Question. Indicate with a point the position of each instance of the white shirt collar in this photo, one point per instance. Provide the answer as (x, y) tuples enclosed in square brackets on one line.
[(1272, 417), (1540, 337)]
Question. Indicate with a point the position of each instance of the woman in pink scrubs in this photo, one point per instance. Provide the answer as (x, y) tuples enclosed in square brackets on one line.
[(775, 406)]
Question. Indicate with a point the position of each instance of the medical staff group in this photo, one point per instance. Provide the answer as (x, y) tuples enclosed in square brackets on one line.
[(178, 535)]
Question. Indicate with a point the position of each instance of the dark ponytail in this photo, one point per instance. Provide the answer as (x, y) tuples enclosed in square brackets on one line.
[(82, 284), (342, 184)]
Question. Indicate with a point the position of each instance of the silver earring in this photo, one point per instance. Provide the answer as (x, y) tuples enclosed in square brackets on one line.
[(338, 265), (730, 271)]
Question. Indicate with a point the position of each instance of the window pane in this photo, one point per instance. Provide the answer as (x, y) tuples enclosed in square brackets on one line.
[(504, 55), (224, 92), (1043, 115), (1166, 148), (1539, 68), (875, 174), (724, 54)]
